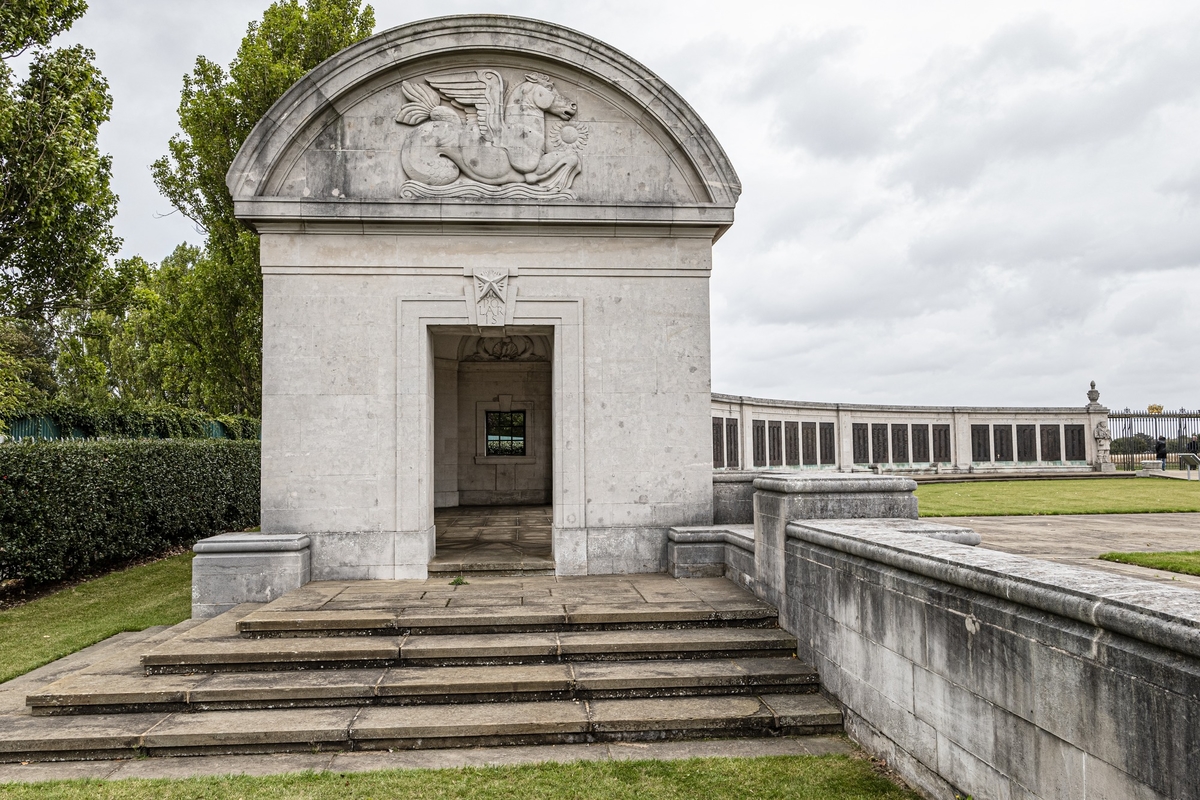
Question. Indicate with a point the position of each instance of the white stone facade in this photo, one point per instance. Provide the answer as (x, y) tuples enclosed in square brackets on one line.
[(405, 298)]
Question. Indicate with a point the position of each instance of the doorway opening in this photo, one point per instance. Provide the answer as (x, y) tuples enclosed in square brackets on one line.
[(493, 453)]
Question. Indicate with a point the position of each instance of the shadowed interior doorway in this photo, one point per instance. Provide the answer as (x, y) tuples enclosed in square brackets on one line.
[(493, 451)]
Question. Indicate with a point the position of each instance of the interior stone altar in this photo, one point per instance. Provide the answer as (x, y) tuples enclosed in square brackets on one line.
[(472, 219)]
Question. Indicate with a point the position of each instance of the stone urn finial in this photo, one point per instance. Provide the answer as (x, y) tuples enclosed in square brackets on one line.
[(1093, 395)]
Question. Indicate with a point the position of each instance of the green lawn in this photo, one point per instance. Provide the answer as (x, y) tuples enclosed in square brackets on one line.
[(62, 623), (785, 778), (1187, 562), (1018, 498)]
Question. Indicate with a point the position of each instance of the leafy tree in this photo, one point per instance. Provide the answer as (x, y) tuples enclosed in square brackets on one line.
[(56, 204), (214, 325), (26, 23), (84, 348), (16, 386)]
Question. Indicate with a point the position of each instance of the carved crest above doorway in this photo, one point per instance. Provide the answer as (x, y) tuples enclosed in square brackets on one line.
[(493, 293), (516, 348)]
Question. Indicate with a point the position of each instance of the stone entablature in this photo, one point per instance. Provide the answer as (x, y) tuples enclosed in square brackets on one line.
[(752, 433)]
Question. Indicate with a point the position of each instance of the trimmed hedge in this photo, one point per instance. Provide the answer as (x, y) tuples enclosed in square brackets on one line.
[(69, 506), (124, 420)]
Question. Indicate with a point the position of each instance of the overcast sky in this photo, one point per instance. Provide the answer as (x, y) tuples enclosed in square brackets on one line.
[(944, 202)]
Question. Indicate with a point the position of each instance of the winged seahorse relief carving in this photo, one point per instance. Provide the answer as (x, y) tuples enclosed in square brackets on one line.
[(497, 146)]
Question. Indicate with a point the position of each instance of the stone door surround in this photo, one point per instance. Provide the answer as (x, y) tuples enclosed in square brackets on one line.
[(418, 319)]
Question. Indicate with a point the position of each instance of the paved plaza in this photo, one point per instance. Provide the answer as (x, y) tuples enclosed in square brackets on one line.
[(1079, 539)]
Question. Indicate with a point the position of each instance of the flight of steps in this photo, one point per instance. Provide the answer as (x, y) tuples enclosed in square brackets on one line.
[(423, 664)]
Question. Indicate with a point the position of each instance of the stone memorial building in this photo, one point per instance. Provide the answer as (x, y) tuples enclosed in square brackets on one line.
[(486, 248)]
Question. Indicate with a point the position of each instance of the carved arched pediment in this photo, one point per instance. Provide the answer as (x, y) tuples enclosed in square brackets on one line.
[(474, 118)]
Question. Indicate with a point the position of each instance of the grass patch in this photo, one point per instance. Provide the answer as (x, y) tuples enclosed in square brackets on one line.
[(1185, 563), (784, 778), (1022, 498), (43, 630)]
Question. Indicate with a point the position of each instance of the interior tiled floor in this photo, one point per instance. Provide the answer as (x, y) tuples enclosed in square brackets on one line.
[(502, 538)]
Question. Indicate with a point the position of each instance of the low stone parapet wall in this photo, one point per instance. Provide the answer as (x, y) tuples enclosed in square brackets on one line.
[(981, 673), (972, 672), (712, 552)]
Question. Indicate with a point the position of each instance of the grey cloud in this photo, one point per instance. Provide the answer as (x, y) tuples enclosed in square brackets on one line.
[(816, 102), (983, 116), (1186, 185)]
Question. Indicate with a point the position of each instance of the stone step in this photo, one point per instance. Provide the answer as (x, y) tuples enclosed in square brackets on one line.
[(118, 685), (267, 623), (450, 566), (515, 604), (30, 738), (216, 646)]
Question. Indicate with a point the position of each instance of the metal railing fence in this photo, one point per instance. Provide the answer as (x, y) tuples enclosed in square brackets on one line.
[(1136, 432)]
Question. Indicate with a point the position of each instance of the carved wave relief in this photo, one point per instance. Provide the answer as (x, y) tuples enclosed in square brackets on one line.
[(415, 190)]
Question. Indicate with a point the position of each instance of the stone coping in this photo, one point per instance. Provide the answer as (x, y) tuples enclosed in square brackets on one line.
[(713, 535), (252, 543), (1160, 615), (762, 401), (835, 482), (726, 475)]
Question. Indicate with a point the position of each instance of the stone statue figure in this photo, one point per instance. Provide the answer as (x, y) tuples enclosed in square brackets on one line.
[(499, 149), (1103, 442)]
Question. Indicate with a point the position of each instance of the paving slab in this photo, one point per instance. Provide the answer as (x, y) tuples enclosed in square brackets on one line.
[(482, 646), (283, 689), (465, 616), (116, 679), (38, 771), (620, 676), (22, 734), (492, 680), (803, 710), (366, 619), (216, 644), (167, 768), (14, 692), (675, 643), (459, 757), (396, 723), (731, 748), (655, 715), (1077, 539), (113, 692), (224, 730), (374, 760)]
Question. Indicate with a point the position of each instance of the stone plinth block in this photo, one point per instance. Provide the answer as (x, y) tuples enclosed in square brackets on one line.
[(711, 552), (784, 499), (842, 496), (238, 568)]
